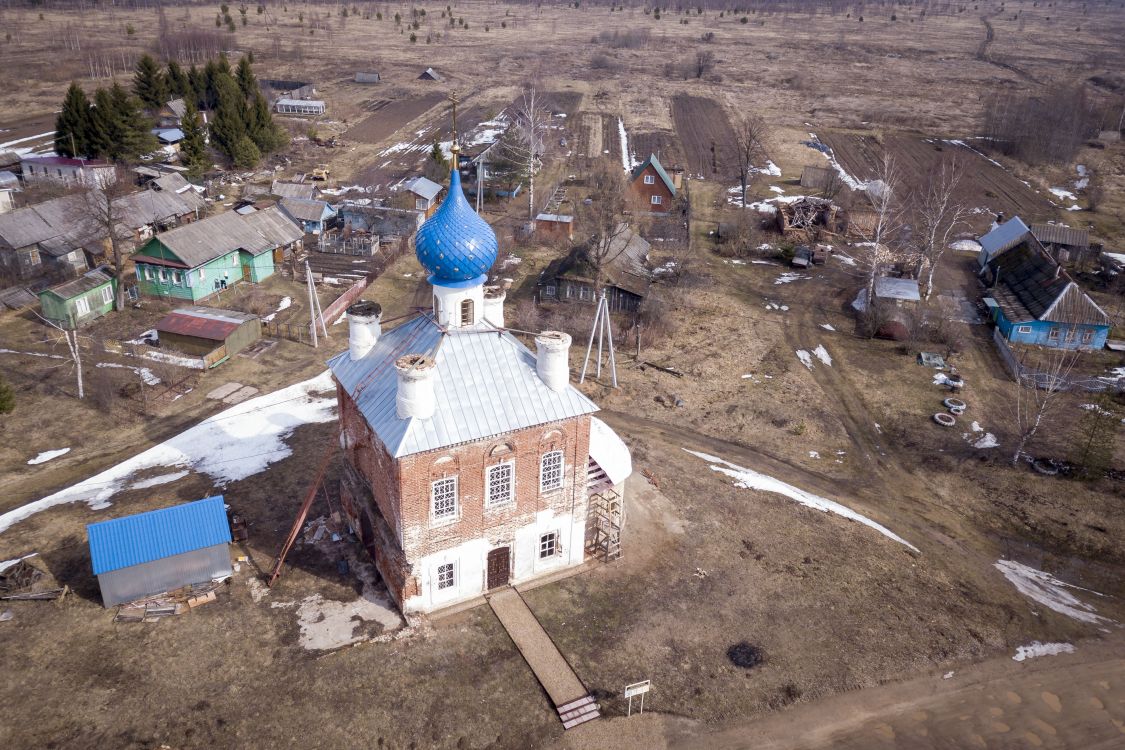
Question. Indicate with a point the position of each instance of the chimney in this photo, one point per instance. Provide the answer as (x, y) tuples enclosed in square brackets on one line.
[(552, 359), (494, 302), (415, 397), (363, 328)]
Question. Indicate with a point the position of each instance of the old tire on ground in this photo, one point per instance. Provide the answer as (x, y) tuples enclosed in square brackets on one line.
[(956, 410), (955, 403), (945, 420), (1045, 466)]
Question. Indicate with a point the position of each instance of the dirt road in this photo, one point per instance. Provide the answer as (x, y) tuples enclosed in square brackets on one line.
[(1069, 701)]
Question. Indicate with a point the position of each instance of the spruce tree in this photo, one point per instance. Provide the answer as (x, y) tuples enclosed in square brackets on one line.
[(7, 397), (228, 127), (197, 82), (149, 84), (137, 128), (244, 154), (193, 148), (106, 131), (246, 80), (73, 125), (211, 75), (265, 133), (177, 79)]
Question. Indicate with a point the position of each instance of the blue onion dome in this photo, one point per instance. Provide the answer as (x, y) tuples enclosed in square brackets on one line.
[(456, 245)]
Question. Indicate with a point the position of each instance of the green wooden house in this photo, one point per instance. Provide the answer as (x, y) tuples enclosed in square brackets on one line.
[(194, 261), (79, 301)]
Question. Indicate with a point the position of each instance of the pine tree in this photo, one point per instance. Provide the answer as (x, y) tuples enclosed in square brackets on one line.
[(246, 80), (193, 148), (73, 125), (265, 133), (228, 127), (149, 84), (178, 83), (7, 397)]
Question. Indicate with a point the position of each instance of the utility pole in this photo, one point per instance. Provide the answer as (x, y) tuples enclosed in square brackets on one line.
[(312, 304), (603, 329)]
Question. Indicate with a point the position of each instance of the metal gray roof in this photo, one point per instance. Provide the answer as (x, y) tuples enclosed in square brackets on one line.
[(275, 226), (424, 187), (485, 384), (305, 210), (305, 190), (1057, 234), (1007, 235), (210, 238), (887, 287), (84, 283), (24, 227)]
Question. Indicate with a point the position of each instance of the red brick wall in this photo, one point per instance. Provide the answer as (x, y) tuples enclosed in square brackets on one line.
[(645, 192)]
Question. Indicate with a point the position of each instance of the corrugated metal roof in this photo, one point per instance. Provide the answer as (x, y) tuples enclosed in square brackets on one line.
[(210, 238), (275, 226), (1007, 235), (485, 384), (24, 227), (1057, 234), (305, 190), (133, 540), (84, 283), (887, 287), (424, 187), (301, 103), (203, 322), (558, 218), (303, 209)]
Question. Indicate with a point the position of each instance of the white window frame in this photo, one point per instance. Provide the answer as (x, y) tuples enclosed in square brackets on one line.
[(556, 474), (107, 295), (656, 200), (161, 274), (1053, 334), (202, 274), (550, 290), (178, 278), (585, 293), (445, 579), (1087, 335), (650, 179), (493, 499), (82, 305), (1024, 329), (449, 515), (550, 545)]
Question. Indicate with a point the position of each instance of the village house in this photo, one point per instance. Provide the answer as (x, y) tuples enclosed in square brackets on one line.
[(75, 303), (653, 186), (554, 227), (69, 171), (472, 463), (425, 193), (1065, 244), (626, 275), (1032, 300), (171, 115), (204, 257), (311, 215), (52, 238), (304, 190)]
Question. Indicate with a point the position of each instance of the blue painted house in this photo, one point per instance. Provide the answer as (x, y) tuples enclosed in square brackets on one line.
[(150, 553), (1032, 300), (311, 215)]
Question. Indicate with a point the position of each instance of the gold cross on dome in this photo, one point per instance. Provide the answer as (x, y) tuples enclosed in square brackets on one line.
[(454, 148)]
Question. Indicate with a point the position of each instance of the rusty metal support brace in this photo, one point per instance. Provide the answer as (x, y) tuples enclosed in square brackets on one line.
[(301, 514)]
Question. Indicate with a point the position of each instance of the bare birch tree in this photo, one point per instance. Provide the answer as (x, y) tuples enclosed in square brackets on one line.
[(1037, 391), (753, 139), (884, 248), (70, 337), (104, 220), (528, 141), (938, 215)]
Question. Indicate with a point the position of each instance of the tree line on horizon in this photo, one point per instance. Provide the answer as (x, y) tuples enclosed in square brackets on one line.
[(116, 124)]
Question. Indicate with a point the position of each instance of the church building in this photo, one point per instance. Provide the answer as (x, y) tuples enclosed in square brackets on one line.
[(472, 463)]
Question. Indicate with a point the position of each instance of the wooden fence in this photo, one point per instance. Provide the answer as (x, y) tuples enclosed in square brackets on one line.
[(1045, 380)]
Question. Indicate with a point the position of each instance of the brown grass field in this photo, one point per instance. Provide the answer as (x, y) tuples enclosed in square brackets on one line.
[(836, 608)]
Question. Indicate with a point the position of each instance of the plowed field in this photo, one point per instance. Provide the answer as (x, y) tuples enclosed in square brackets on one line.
[(388, 116), (705, 132)]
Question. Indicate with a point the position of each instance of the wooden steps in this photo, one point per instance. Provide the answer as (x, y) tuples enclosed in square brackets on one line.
[(578, 712)]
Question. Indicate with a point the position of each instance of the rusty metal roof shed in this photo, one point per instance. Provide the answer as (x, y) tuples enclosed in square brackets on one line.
[(203, 322)]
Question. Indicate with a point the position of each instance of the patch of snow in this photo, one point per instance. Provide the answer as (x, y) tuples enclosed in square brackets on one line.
[(827, 326), (1035, 648), (748, 376), (814, 454), (46, 456), (156, 481), (752, 480), (1063, 193), (32, 354), (988, 441), (777, 189), (41, 136), (149, 336), (1075, 207), (947, 675), (805, 357), (285, 304), (965, 246), (626, 161), (1049, 591), (1096, 408), (789, 276), (326, 624), (5, 564), (784, 308), (822, 354), (771, 263), (231, 445), (146, 374), (845, 259), (192, 363), (976, 427), (878, 428)]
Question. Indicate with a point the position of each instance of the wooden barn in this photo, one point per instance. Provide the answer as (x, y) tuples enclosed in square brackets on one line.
[(215, 335), (626, 275)]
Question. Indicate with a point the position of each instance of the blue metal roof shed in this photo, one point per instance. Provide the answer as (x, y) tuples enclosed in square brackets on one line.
[(153, 552)]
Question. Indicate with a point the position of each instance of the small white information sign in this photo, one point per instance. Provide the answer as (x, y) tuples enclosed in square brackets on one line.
[(637, 688)]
